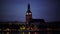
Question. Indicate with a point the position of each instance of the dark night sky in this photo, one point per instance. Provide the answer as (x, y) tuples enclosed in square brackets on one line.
[(14, 10)]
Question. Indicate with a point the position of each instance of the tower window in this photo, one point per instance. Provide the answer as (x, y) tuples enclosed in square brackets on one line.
[(29, 13)]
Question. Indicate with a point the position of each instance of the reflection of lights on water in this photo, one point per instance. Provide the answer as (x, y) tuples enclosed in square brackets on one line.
[(35, 33), (28, 32), (23, 32), (7, 33)]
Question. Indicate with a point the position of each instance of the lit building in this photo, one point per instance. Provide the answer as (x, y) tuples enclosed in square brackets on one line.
[(28, 14)]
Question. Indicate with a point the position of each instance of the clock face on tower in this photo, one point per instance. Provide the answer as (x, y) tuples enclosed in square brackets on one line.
[(28, 13)]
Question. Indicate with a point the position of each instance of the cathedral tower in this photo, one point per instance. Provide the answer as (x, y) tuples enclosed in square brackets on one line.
[(28, 14)]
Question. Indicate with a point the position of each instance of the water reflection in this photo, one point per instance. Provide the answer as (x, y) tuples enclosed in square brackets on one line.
[(18, 32)]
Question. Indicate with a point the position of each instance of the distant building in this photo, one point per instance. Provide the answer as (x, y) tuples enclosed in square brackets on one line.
[(32, 24), (28, 14)]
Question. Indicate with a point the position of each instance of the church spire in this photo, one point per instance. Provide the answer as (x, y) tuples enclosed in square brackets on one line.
[(28, 6)]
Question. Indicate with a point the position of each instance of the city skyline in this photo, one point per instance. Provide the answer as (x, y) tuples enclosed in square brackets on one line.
[(14, 10)]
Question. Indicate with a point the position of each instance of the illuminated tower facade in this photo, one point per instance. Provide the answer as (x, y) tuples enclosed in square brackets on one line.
[(28, 14)]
